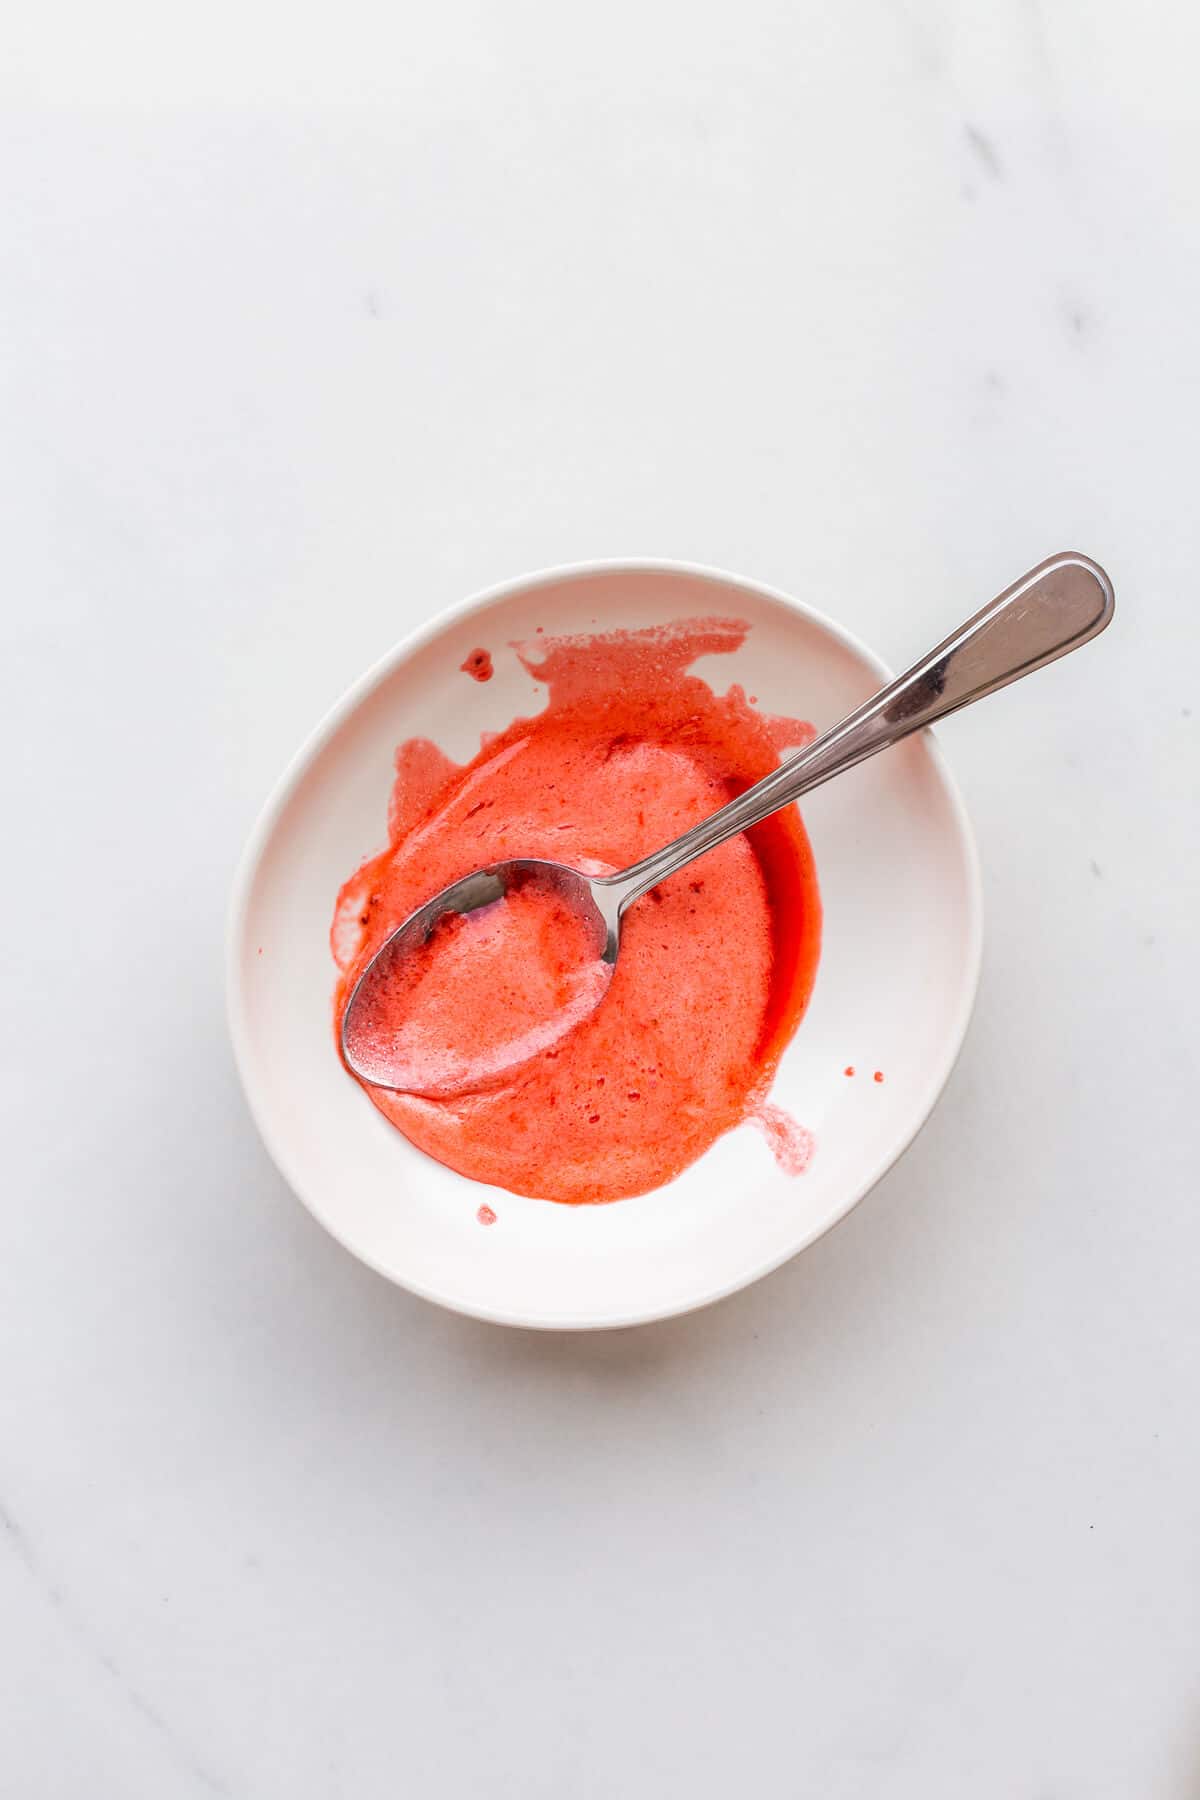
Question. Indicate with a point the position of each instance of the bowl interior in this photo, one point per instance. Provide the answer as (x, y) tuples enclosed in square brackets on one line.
[(894, 988)]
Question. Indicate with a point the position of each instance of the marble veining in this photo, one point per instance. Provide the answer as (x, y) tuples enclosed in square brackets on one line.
[(315, 324)]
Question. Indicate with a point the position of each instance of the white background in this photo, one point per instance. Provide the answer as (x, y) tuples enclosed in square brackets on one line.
[(314, 320)]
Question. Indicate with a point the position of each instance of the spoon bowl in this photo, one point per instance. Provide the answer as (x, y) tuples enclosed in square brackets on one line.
[(377, 1054)]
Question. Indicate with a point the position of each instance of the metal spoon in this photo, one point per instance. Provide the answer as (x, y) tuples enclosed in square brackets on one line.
[(1054, 608)]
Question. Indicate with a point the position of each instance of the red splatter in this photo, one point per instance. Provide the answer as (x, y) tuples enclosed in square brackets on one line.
[(879, 1074), (485, 1215), (791, 1145), (849, 1069), (478, 665)]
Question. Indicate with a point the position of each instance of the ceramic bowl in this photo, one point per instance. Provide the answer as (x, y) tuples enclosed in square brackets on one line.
[(899, 964)]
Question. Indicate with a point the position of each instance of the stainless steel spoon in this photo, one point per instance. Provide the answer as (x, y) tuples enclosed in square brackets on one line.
[(1054, 608)]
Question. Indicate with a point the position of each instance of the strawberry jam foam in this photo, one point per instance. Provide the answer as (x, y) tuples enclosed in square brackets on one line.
[(716, 964)]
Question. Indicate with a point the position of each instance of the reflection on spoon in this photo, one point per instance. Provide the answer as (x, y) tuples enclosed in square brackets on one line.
[(491, 973)]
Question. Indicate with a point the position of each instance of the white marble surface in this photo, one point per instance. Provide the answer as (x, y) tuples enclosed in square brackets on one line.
[(314, 320)]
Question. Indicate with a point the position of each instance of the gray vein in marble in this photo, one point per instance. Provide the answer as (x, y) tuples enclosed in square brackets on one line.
[(984, 150), (14, 1535), (1045, 71), (1077, 319), (19, 1544), (1041, 44)]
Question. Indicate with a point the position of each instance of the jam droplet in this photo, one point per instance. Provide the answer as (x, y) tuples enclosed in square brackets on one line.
[(879, 1074), (478, 665), (485, 1215), (849, 1069)]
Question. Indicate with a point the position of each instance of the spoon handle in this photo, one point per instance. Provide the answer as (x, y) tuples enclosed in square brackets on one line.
[(1054, 608)]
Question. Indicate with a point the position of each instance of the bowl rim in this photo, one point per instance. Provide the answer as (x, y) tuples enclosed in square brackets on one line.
[(359, 690)]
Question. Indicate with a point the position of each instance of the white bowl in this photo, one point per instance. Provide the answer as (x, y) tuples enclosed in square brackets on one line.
[(899, 964)]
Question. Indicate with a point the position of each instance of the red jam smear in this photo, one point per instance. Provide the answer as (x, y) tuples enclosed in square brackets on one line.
[(791, 1144), (716, 964), (478, 665)]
